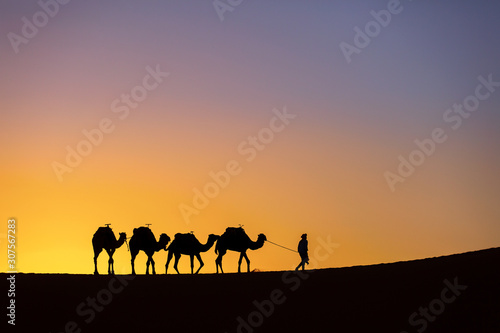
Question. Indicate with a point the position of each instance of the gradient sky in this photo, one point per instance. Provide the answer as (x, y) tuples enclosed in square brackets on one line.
[(323, 174)]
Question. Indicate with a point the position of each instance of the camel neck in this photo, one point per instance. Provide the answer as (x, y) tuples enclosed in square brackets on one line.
[(205, 247), (256, 245)]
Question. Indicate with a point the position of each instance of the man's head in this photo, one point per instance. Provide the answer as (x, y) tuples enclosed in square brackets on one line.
[(304, 236)]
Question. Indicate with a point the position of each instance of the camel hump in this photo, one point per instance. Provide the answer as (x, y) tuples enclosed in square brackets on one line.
[(104, 231), (185, 237), (143, 232), (236, 234), (235, 231), (231, 230)]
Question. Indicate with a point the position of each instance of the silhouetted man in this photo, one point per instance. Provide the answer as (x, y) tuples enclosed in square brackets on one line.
[(303, 252)]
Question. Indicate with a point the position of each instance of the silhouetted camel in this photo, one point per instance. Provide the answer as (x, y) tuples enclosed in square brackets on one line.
[(104, 238), (189, 245), (143, 239), (235, 239)]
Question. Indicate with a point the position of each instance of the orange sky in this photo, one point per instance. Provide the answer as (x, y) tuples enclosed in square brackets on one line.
[(321, 173)]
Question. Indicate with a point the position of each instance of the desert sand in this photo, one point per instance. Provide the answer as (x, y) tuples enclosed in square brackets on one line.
[(457, 293)]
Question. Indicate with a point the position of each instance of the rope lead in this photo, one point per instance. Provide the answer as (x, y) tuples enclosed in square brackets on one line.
[(282, 246)]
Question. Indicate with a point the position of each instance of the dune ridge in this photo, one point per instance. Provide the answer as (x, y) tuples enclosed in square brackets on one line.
[(455, 293)]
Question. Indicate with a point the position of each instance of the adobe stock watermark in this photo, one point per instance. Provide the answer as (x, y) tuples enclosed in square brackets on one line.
[(453, 117), (12, 270), (373, 28), (30, 28), (425, 315), (249, 149), (92, 306), (292, 281), (222, 6), (121, 106)]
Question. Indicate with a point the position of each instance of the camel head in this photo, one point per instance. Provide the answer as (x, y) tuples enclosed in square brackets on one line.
[(121, 240), (259, 243), (163, 241), (213, 238)]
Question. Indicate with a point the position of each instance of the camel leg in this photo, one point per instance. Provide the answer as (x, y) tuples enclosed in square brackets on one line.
[(169, 257), (134, 254), (111, 269), (177, 257), (239, 262), (218, 261), (96, 255), (201, 262), (147, 265), (153, 266), (191, 257), (112, 261), (248, 261)]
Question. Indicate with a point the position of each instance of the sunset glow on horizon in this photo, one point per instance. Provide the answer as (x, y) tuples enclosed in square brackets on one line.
[(159, 113)]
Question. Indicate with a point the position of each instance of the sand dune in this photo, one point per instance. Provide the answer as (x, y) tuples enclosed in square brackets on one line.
[(458, 293)]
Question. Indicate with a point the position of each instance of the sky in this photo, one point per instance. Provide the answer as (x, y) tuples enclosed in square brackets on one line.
[(372, 126)]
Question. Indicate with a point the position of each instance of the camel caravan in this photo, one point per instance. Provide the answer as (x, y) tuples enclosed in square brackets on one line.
[(143, 239)]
